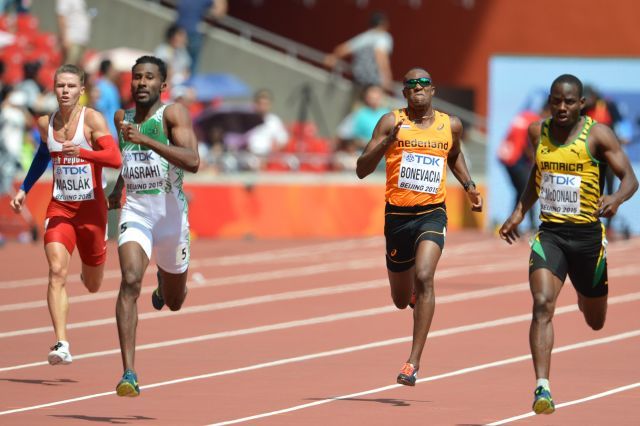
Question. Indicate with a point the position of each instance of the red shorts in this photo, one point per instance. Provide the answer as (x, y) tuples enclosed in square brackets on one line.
[(86, 231)]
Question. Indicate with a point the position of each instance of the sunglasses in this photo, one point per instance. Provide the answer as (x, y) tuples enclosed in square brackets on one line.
[(422, 81)]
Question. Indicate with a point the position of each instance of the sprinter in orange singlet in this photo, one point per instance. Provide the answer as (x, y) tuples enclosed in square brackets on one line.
[(418, 143)]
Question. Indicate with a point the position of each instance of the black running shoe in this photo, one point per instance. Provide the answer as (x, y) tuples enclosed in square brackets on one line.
[(156, 297)]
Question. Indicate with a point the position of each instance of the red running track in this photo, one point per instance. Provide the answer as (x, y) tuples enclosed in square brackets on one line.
[(304, 333)]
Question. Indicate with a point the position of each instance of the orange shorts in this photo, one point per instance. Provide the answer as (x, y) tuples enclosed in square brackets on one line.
[(88, 235)]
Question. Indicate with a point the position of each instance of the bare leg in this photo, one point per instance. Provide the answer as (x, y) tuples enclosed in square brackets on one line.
[(133, 264), (545, 288), (594, 310), (57, 300), (92, 277), (402, 286), (174, 288), (427, 257)]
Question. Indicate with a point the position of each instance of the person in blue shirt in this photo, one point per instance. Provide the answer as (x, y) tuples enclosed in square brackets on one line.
[(190, 13), (108, 96)]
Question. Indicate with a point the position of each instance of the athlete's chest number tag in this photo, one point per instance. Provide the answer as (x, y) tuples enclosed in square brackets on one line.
[(560, 193), (421, 172), (142, 171), (72, 182)]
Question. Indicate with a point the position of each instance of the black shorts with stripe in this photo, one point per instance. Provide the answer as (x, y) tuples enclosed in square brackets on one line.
[(405, 227), (577, 250)]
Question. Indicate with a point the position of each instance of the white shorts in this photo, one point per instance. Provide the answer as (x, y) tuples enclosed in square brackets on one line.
[(158, 222)]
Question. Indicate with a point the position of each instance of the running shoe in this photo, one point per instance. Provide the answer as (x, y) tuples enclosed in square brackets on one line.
[(128, 385), (156, 297), (408, 375), (60, 354), (542, 401)]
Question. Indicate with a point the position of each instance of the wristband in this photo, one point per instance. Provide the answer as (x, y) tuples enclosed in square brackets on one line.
[(468, 184)]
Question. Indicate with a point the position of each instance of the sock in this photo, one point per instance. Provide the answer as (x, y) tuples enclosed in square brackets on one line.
[(544, 383)]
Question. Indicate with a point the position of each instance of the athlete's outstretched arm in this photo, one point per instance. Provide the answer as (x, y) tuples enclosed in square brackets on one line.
[(38, 166), (608, 148), (384, 135), (183, 150), (509, 229), (458, 166)]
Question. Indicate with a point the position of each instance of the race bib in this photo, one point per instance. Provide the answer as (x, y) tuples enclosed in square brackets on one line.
[(142, 171), (421, 172), (72, 182), (560, 193)]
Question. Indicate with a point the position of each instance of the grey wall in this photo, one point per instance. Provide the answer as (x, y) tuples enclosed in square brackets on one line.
[(141, 24)]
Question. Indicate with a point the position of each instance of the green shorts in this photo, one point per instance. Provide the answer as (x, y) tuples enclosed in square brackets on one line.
[(405, 227), (577, 250)]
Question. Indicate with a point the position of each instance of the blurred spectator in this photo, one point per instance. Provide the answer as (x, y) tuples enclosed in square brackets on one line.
[(174, 53), (356, 129), (370, 51), (18, 6), (266, 138), (517, 155), (106, 94), (15, 121), (74, 26), (30, 87), (186, 96), (4, 89), (190, 13)]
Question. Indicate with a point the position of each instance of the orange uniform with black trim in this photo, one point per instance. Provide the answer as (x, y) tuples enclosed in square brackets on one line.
[(417, 162)]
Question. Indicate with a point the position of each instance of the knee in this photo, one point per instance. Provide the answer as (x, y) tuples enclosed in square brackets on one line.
[(131, 283), (92, 284), (93, 287), (595, 323), (57, 275), (424, 282), (174, 305), (543, 307), (400, 303)]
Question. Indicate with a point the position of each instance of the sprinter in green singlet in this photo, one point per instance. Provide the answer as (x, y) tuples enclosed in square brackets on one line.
[(157, 143), (571, 152)]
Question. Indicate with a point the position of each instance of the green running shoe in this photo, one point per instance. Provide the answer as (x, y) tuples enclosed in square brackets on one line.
[(128, 385), (542, 401)]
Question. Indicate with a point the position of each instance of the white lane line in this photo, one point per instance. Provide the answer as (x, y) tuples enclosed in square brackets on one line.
[(569, 403), (631, 297), (438, 333), (453, 272), (503, 362), (252, 278), (477, 294), (238, 259), (363, 263), (311, 250)]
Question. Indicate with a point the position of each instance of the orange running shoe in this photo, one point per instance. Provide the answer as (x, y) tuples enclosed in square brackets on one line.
[(408, 375)]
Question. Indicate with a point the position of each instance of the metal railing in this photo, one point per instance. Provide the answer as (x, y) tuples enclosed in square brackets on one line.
[(316, 57)]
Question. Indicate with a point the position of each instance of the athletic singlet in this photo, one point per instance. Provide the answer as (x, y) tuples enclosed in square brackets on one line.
[(145, 171), (568, 178), (417, 162), (74, 179)]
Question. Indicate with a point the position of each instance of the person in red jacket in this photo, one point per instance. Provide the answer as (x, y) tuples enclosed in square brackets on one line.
[(516, 154), (79, 144)]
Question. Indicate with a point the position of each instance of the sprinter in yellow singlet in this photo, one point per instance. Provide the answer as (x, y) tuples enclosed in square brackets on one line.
[(418, 143), (567, 177)]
